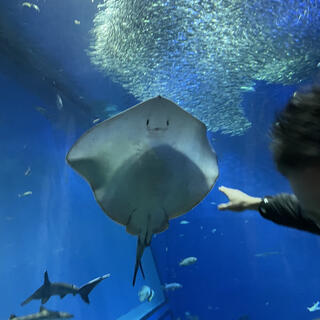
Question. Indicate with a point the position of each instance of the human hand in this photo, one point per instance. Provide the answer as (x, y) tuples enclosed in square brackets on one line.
[(238, 200)]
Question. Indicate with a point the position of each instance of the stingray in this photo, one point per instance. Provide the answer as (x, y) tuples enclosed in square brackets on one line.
[(146, 165)]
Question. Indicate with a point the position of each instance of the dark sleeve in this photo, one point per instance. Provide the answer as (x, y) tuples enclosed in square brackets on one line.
[(284, 209)]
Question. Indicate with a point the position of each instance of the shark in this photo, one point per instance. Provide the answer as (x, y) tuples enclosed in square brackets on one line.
[(49, 289), (314, 307), (43, 314)]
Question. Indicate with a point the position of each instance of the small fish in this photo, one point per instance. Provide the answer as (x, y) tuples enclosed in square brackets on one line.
[(188, 261), (43, 111), (181, 235), (184, 222), (265, 254), (201, 227), (95, 120), (145, 293), (247, 89), (76, 21), (314, 307), (27, 4), (59, 102), (318, 65), (27, 193), (213, 230), (166, 249), (172, 286), (27, 172), (31, 5), (213, 203), (36, 7), (189, 316)]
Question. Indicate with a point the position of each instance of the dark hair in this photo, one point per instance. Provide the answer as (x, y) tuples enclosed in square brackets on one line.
[(296, 132)]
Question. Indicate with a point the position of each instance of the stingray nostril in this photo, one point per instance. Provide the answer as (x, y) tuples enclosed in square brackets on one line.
[(167, 122), (148, 122)]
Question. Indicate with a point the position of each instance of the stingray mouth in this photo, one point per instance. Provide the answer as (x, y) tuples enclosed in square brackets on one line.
[(157, 128)]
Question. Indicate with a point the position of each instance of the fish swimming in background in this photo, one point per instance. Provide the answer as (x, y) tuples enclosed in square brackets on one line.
[(145, 293), (59, 102), (314, 307), (247, 88), (27, 193), (36, 7), (28, 171), (189, 316), (157, 53), (42, 110), (26, 4), (172, 286), (188, 261), (49, 289), (184, 222), (31, 5), (44, 314), (268, 253)]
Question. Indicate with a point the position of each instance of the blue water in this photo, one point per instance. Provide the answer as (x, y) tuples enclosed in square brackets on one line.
[(60, 228)]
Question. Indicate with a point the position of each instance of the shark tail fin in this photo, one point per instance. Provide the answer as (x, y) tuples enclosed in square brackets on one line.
[(84, 294), (12, 316), (87, 288)]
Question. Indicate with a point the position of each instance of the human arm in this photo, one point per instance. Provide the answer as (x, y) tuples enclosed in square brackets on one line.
[(283, 209), (238, 200)]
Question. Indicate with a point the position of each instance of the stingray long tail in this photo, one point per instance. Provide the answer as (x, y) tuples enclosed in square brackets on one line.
[(87, 288), (144, 241)]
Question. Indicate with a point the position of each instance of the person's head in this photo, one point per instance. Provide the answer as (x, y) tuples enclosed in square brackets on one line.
[(295, 147)]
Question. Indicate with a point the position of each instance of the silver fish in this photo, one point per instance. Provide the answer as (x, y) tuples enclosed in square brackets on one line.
[(59, 102), (172, 286), (188, 261)]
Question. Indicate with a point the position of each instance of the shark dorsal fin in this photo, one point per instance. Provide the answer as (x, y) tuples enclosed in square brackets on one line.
[(46, 279), (42, 308)]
